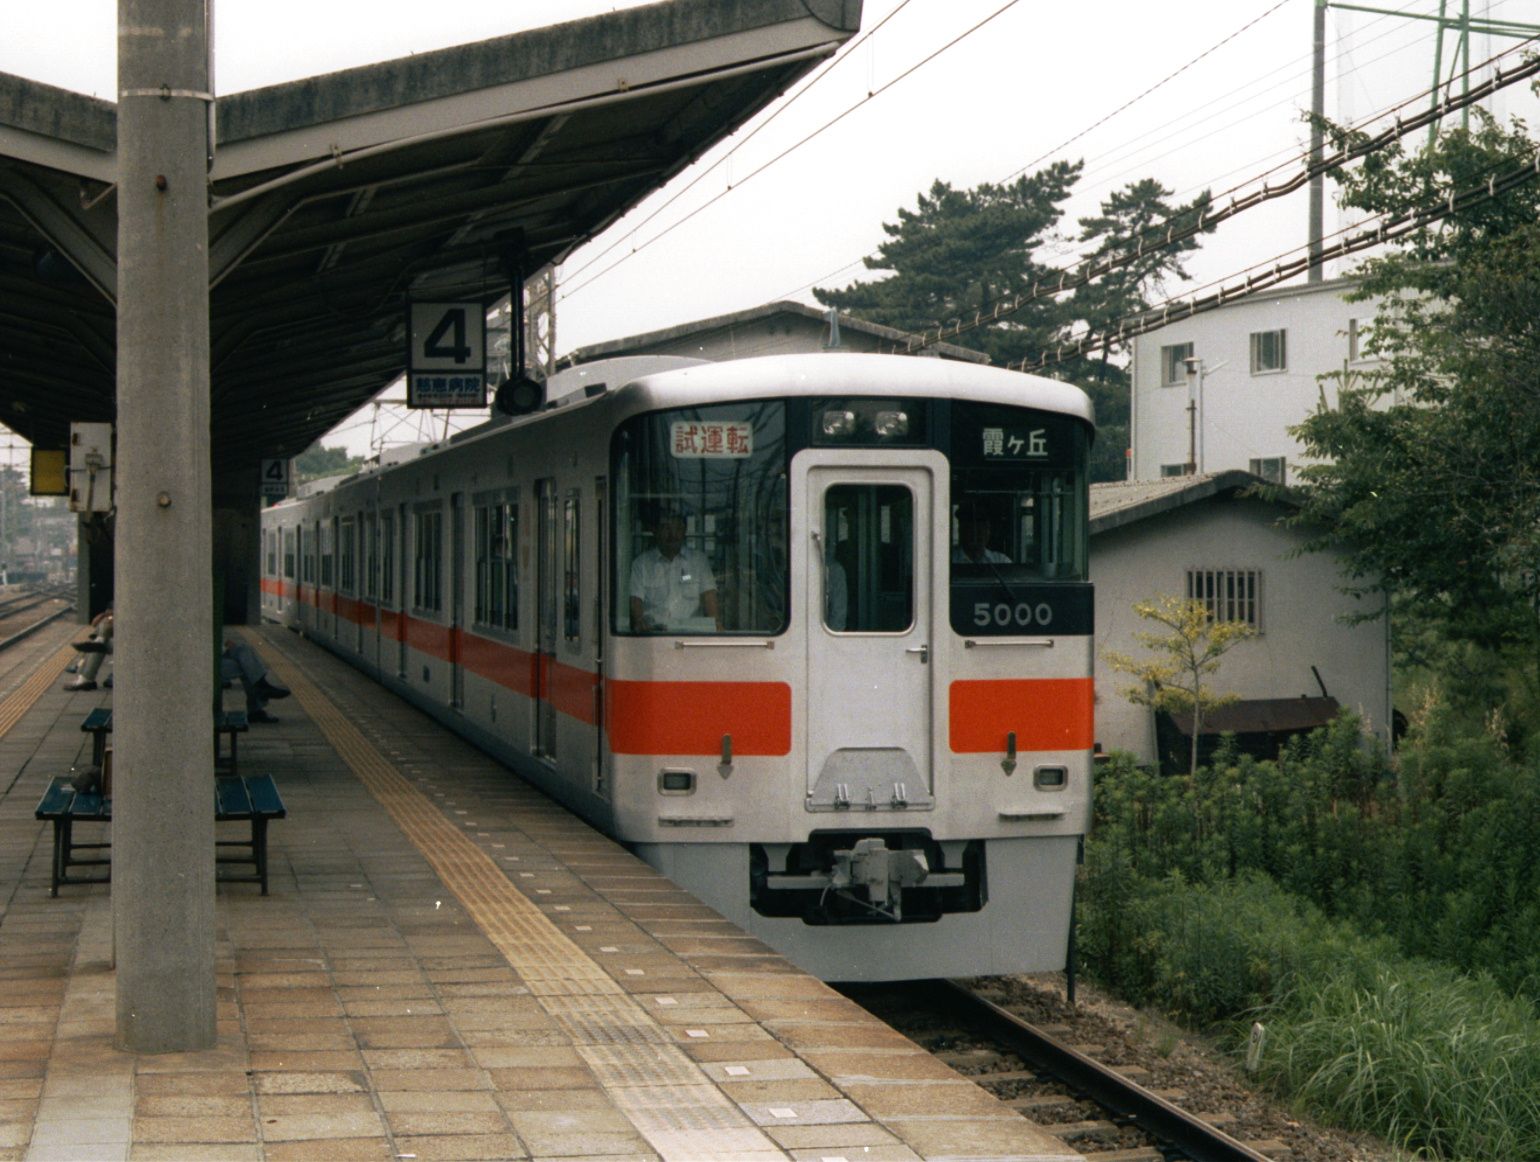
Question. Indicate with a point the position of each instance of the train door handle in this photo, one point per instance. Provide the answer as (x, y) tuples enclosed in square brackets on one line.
[(923, 651)]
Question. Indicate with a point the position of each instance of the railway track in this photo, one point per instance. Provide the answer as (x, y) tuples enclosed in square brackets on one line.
[(23, 614), (1096, 1109)]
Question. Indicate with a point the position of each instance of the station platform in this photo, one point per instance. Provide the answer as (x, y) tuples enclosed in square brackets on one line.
[(448, 966)]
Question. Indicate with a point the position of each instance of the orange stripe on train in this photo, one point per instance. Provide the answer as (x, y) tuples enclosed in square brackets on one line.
[(691, 717), (1045, 713)]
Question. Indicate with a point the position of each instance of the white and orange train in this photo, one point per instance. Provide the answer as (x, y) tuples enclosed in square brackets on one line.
[(810, 634)]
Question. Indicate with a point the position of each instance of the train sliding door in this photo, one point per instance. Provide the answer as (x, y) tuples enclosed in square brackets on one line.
[(871, 686)]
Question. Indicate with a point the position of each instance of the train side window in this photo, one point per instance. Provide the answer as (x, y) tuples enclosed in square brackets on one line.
[(371, 534), (427, 561), (868, 558), (387, 558), (496, 548), (328, 534), (347, 546), (571, 555), (288, 553)]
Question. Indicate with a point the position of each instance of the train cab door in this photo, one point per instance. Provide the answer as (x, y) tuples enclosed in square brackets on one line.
[(548, 599), (872, 687)]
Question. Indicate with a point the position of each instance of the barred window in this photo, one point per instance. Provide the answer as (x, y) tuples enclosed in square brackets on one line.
[(1228, 594)]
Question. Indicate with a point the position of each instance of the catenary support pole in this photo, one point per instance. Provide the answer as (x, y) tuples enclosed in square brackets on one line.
[(1317, 111), (163, 815)]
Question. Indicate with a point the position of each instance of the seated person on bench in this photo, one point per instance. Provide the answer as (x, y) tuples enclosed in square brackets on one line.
[(241, 661), (92, 651)]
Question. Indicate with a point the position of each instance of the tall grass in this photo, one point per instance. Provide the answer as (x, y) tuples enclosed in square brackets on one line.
[(1441, 1064)]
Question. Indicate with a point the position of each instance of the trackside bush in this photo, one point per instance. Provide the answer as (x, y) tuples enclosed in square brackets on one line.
[(1439, 850)]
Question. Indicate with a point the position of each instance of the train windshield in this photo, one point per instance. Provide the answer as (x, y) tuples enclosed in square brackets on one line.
[(700, 521), (1018, 521)]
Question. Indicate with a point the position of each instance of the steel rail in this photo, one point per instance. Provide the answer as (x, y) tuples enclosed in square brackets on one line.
[(1153, 1114), (7, 643)]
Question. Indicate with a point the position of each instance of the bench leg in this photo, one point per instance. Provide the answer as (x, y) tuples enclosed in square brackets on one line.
[(61, 842), (259, 846)]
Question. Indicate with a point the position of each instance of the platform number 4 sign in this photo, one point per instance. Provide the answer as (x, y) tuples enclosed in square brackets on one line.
[(447, 355), (275, 479)]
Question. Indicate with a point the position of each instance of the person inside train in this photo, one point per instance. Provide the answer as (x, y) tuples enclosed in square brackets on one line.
[(93, 650), (671, 583), (241, 661), (972, 548)]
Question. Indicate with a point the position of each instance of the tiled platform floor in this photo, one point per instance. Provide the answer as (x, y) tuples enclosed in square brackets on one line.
[(510, 985)]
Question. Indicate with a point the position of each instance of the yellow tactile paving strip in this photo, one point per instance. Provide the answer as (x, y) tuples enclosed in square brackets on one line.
[(34, 688), (671, 1101)]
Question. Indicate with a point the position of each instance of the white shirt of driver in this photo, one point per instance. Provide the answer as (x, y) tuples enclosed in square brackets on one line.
[(670, 590)]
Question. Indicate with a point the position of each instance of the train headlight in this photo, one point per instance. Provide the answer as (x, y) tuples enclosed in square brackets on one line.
[(838, 423), (891, 425)]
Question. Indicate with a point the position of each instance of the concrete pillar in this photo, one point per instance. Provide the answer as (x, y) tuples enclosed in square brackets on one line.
[(163, 810)]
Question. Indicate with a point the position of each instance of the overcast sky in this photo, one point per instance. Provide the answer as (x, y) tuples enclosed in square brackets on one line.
[(1035, 82)]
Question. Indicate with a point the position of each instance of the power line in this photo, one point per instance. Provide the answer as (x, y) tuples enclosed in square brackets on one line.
[(723, 160), (871, 96), (1389, 228), (1151, 240)]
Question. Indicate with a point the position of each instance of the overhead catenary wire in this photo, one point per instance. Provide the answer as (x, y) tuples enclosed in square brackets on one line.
[(1222, 103), (1084, 132), (1152, 239), (827, 125), (1387, 228), (780, 108)]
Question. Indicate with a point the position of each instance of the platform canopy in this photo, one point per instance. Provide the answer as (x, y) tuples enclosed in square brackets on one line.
[(336, 199)]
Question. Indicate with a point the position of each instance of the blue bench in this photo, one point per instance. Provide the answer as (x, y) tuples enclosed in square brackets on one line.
[(237, 798), (98, 724)]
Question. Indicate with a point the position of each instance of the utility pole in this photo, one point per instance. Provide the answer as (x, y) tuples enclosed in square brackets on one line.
[(1317, 153), (163, 817)]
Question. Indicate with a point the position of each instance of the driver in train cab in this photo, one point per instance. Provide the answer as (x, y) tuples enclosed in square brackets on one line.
[(671, 583), (974, 531)]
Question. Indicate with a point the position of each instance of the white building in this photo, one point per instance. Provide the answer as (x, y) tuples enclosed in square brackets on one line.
[(1203, 536), (1221, 390)]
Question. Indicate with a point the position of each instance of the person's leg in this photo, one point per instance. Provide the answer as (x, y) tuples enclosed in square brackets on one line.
[(252, 672)]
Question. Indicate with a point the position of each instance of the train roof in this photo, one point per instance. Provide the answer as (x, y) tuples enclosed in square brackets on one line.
[(828, 373)]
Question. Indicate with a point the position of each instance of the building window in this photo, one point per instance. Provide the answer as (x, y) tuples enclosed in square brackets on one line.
[(1270, 468), (1267, 352), (1358, 341), (1228, 594), (1173, 364), (1173, 470)]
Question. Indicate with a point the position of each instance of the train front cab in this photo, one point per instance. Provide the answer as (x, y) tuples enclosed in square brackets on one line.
[(876, 753)]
